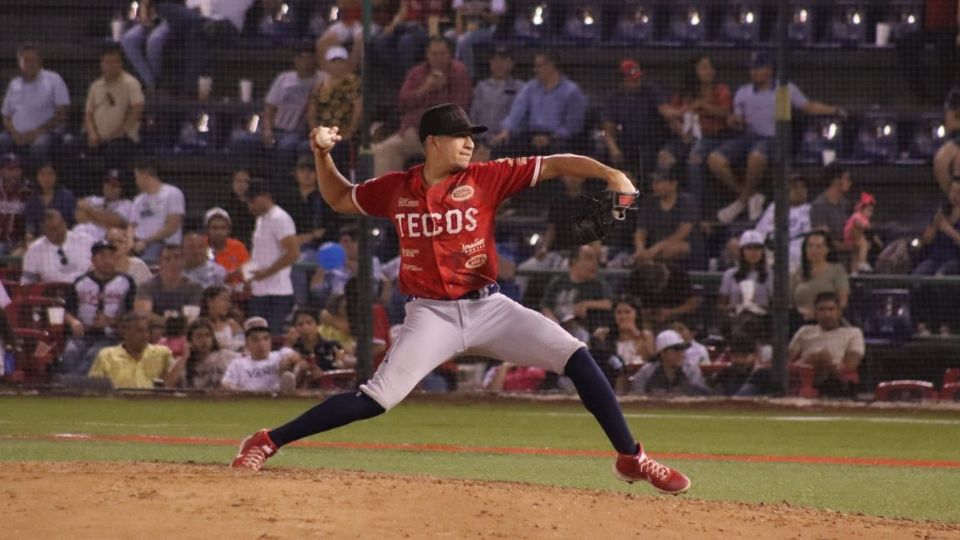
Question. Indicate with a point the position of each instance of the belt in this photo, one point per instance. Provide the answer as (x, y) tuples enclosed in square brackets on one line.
[(482, 292)]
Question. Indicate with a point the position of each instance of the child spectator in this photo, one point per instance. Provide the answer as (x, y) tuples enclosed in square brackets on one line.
[(671, 372), (319, 354), (216, 305), (746, 290), (856, 233), (747, 375), (228, 252), (126, 263), (260, 369), (206, 362)]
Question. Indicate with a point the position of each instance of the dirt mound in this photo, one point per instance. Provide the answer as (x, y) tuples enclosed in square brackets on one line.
[(152, 500)]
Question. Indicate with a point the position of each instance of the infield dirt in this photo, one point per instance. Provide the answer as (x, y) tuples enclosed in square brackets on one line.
[(153, 500)]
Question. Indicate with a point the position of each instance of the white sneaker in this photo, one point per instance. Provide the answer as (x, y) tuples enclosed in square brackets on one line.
[(728, 213), (755, 206)]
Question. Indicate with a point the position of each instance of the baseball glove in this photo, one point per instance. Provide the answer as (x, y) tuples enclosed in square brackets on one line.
[(601, 214)]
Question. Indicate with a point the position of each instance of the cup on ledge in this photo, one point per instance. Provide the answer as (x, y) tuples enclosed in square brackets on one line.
[(829, 156), (204, 87), (55, 315), (116, 29), (246, 90), (191, 312), (883, 34)]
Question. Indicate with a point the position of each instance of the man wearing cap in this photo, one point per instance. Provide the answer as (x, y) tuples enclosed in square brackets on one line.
[(35, 107), (282, 125), (229, 253), (156, 216), (95, 304), (670, 372), (753, 114), (197, 263), (260, 369), (440, 79), (13, 196), (665, 221), (275, 250), (547, 115), (493, 96), (135, 362), (444, 215), (59, 256), (635, 120)]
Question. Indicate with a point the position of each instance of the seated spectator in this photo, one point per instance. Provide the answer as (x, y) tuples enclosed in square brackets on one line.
[(144, 42), (319, 354), (59, 256), (13, 199), (84, 226), (941, 239), (670, 372), (318, 222), (50, 196), (165, 294), (753, 113), (95, 304), (35, 108), (282, 124), (349, 29), (493, 97), (830, 210), (237, 205), (259, 369), (206, 361), (747, 375), (830, 346), (475, 23), (664, 292), (636, 118), (229, 253), (135, 362), (274, 251), (440, 79), (665, 221), (327, 282), (196, 23), (156, 217), (626, 345), (547, 115), (818, 273), (746, 290), (946, 162), (335, 102), (559, 239), (342, 316), (112, 117), (707, 104), (580, 291), (111, 209), (696, 352), (197, 265), (858, 234), (799, 218), (216, 306), (126, 263)]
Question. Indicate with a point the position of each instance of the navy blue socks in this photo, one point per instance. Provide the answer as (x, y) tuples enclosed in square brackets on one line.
[(336, 411), (598, 397)]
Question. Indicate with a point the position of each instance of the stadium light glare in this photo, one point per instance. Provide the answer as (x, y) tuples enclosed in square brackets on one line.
[(694, 17), (334, 13), (941, 131), (800, 17), (203, 123), (254, 123), (534, 239), (537, 18), (134, 9)]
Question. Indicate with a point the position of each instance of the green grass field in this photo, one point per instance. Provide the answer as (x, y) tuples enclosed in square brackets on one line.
[(26, 424)]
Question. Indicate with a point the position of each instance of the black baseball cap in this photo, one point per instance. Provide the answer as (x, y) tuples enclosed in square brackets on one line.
[(101, 245), (447, 119)]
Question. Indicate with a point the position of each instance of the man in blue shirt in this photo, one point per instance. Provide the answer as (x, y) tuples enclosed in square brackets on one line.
[(753, 113), (547, 115), (34, 107)]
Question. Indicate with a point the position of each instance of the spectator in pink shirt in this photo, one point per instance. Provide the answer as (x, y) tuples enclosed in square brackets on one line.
[(440, 79)]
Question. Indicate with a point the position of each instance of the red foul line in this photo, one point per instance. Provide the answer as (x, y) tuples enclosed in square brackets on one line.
[(463, 449)]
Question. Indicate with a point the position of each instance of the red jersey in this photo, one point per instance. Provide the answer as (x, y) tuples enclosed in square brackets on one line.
[(446, 231)]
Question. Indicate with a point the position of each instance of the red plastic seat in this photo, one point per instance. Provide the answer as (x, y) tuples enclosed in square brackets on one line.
[(801, 381), (711, 369), (35, 351), (950, 391), (952, 375), (906, 389)]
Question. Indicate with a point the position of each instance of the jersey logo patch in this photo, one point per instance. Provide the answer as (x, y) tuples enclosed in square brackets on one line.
[(462, 193), (476, 261), (404, 202)]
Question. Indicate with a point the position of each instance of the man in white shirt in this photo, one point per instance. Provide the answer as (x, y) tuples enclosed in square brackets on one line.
[(156, 217), (260, 369), (275, 249), (112, 118), (283, 125), (34, 108), (59, 256)]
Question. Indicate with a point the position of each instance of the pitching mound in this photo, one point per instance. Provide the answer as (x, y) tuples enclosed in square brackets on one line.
[(150, 500)]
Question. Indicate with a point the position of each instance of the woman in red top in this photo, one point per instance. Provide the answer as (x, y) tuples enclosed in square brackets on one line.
[(707, 105)]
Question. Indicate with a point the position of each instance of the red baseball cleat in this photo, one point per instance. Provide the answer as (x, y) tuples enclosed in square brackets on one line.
[(254, 450), (631, 468)]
